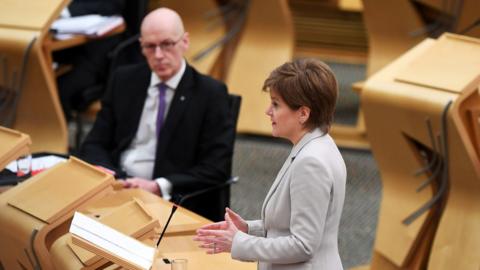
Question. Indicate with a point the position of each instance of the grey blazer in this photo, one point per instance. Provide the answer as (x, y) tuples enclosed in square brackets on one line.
[(301, 213)]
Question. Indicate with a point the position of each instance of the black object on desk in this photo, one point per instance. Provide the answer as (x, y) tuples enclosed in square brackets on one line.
[(9, 178)]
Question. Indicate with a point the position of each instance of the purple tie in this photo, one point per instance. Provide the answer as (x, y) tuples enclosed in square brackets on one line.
[(162, 89)]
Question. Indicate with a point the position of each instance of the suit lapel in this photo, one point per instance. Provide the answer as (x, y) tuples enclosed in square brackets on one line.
[(183, 95)]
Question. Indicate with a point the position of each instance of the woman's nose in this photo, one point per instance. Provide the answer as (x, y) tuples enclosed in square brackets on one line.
[(268, 111)]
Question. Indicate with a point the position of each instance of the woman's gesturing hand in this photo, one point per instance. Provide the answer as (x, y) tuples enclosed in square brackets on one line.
[(218, 237)]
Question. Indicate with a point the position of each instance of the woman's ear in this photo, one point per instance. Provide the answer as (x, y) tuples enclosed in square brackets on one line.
[(304, 114)]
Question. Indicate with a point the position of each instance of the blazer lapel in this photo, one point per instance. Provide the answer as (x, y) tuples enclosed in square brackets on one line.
[(275, 184), (316, 133)]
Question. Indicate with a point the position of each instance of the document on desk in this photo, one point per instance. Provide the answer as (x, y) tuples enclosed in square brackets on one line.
[(90, 25), (38, 163), (111, 244)]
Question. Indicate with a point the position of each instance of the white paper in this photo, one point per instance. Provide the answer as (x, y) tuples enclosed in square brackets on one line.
[(112, 241), (38, 163), (95, 25)]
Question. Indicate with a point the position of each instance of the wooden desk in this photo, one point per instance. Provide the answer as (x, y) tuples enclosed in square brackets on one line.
[(51, 44), (183, 247), (23, 25), (77, 40), (26, 46), (31, 15), (177, 243), (12, 145), (398, 99)]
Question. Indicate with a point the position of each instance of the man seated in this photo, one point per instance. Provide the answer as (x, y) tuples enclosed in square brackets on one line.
[(163, 126)]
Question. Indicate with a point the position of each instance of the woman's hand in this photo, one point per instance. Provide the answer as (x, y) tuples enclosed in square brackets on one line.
[(218, 237), (237, 220)]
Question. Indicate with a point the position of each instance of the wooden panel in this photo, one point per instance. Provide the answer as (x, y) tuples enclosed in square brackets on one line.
[(389, 25), (198, 25), (351, 5), (12, 145), (475, 124), (27, 14), (182, 221), (455, 15), (39, 113), (440, 68), (266, 43), (457, 241), (446, 236), (322, 27), (71, 182), (393, 110), (468, 17)]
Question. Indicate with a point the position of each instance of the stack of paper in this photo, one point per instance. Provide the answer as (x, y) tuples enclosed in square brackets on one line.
[(111, 244), (90, 25)]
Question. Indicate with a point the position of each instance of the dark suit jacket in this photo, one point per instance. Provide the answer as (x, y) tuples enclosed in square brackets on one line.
[(102, 7), (195, 146)]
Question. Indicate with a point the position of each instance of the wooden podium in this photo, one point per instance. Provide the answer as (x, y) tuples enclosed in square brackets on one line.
[(422, 115), (35, 212)]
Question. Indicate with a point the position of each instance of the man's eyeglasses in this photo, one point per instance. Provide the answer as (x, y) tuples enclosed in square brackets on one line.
[(165, 46)]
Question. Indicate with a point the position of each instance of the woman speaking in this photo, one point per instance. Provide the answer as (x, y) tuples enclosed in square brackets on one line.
[(301, 213)]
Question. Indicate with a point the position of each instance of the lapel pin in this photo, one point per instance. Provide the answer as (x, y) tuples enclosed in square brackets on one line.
[(182, 98)]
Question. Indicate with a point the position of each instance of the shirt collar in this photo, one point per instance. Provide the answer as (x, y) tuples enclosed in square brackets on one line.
[(173, 82)]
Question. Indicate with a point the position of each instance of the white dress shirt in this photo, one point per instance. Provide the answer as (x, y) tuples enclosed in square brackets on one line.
[(139, 158)]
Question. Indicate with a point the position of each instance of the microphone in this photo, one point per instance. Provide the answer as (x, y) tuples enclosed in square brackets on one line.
[(174, 208), (230, 181), (188, 196)]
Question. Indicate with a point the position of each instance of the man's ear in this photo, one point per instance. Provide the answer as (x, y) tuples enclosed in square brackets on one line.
[(186, 40)]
